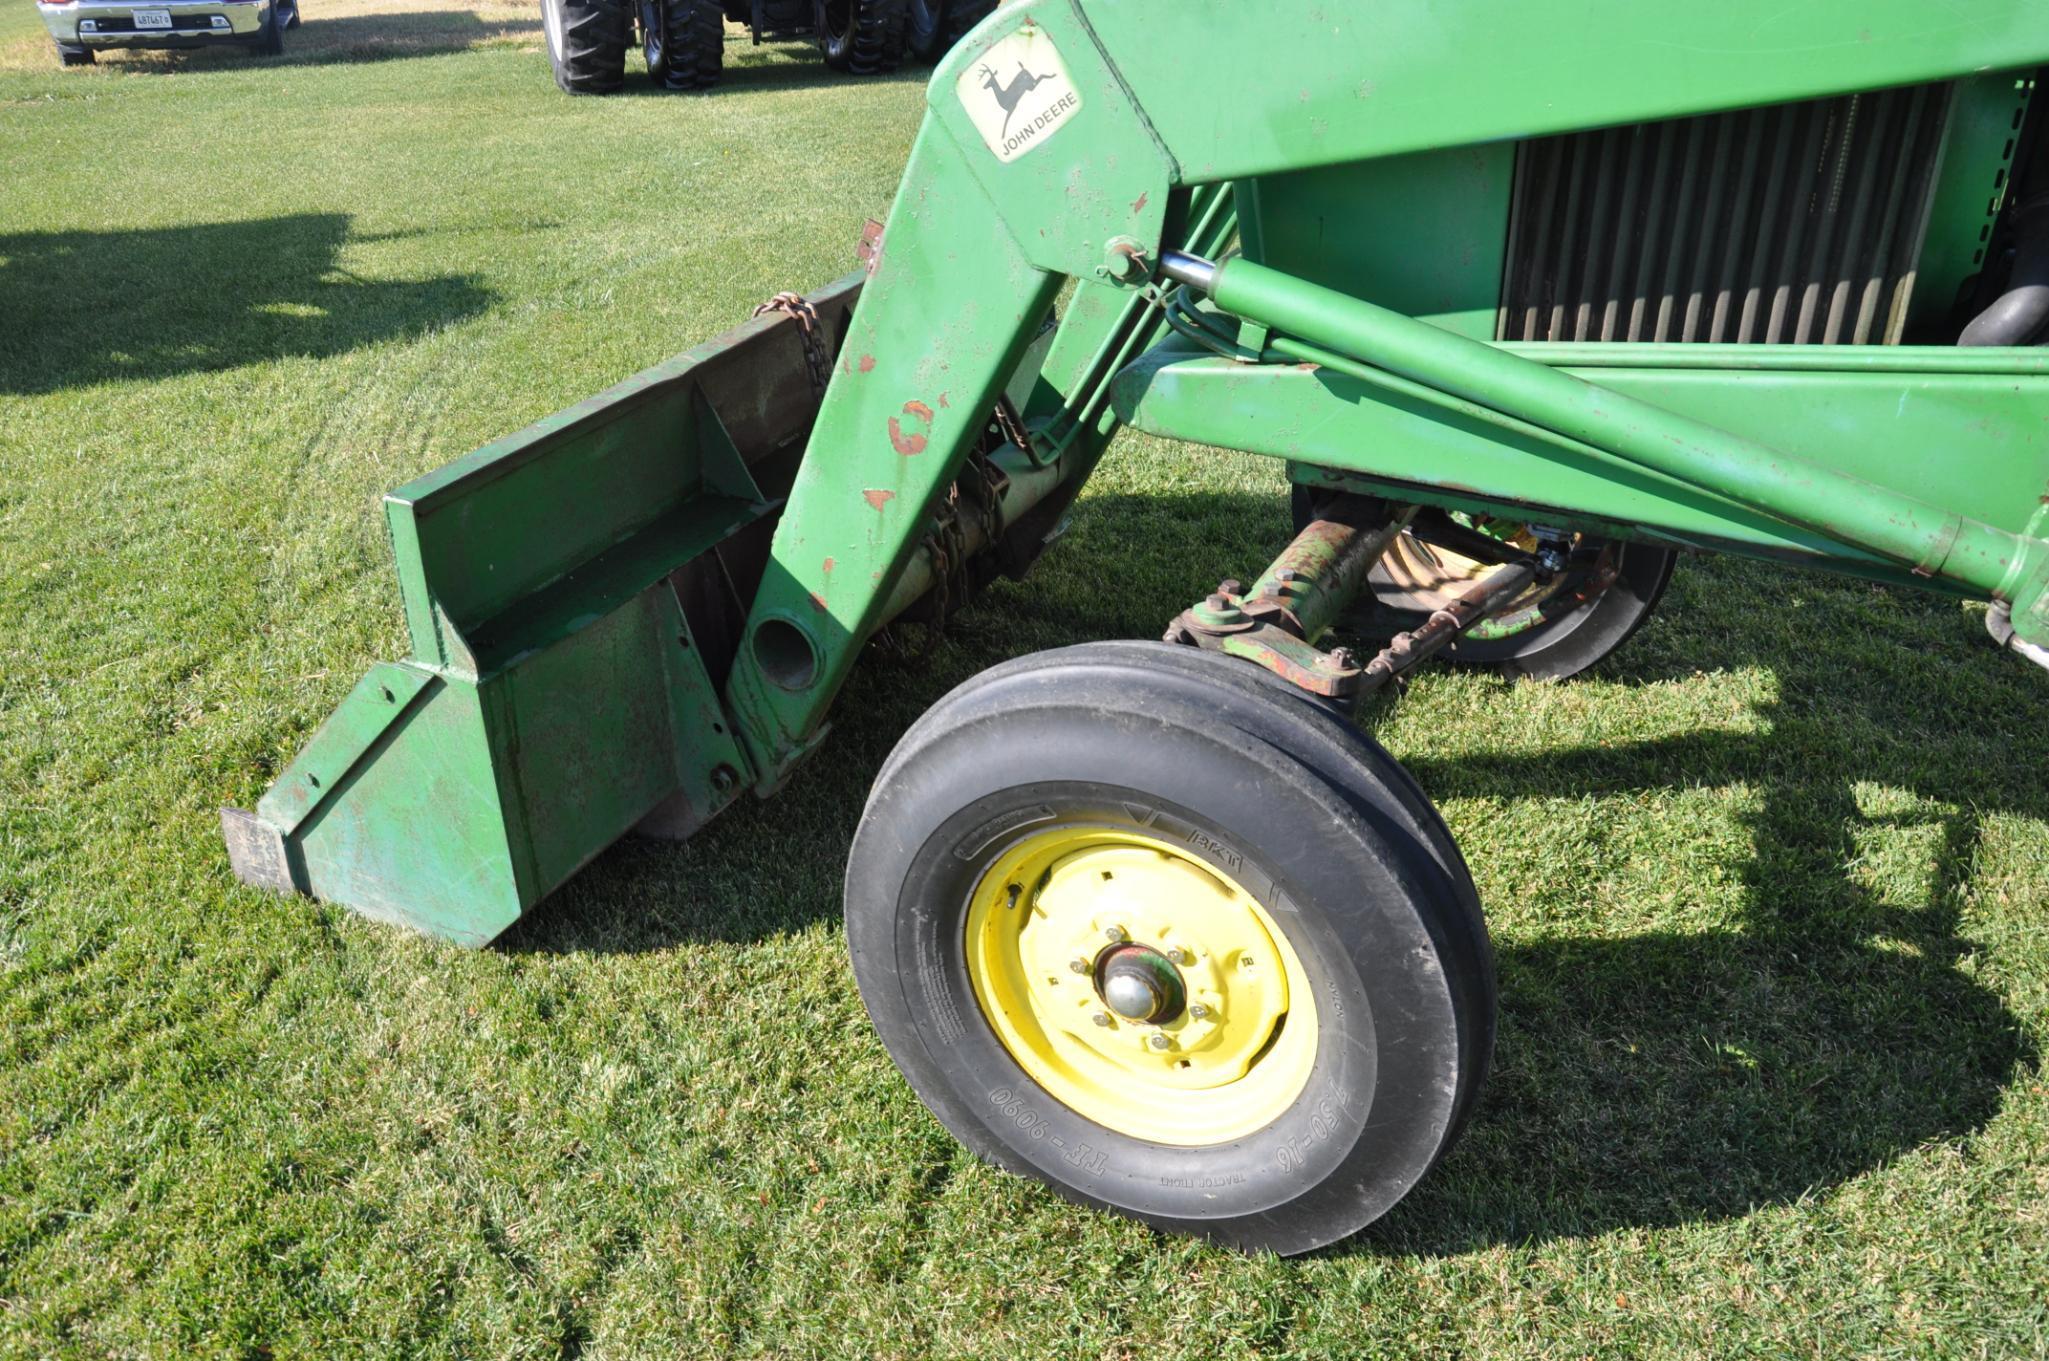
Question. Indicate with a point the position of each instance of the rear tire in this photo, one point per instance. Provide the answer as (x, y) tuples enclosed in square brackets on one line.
[(1209, 774), (69, 55), (861, 37), (694, 38), (587, 41)]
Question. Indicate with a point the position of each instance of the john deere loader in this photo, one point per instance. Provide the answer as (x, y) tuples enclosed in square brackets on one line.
[(1526, 301)]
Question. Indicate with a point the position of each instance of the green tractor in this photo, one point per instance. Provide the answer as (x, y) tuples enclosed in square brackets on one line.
[(1525, 307), (684, 41)]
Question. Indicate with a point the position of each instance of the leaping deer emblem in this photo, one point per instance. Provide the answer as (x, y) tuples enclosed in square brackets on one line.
[(1009, 96)]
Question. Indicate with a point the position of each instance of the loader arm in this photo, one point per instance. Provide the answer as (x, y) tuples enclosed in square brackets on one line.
[(986, 226)]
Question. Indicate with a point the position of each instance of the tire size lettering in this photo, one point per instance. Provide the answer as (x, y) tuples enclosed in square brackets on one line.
[(1294, 1150), (1077, 1155)]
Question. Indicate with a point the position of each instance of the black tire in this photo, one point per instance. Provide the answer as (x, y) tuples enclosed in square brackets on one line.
[(293, 11), (861, 37), (1572, 640), (694, 39), (71, 55), (1566, 641), (270, 39), (587, 41), (1243, 772), (962, 15), (925, 29)]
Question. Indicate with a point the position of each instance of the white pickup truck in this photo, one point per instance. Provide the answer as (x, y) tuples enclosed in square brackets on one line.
[(83, 27)]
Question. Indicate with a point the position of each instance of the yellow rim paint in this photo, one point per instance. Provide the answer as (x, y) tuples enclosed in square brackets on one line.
[(1232, 1061)]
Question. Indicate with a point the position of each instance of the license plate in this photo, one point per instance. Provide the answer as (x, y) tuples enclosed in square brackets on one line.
[(152, 18)]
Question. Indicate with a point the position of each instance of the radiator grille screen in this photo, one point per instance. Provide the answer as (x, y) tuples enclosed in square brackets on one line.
[(1798, 223)]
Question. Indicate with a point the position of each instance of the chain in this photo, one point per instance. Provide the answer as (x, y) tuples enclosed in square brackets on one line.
[(1012, 425), (806, 317)]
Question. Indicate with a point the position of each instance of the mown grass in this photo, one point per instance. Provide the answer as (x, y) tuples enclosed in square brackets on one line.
[(1768, 889)]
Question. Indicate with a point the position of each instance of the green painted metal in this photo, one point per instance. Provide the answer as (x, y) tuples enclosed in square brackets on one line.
[(565, 684), (1861, 413), (1422, 233), (1934, 540), (556, 696), (1985, 116)]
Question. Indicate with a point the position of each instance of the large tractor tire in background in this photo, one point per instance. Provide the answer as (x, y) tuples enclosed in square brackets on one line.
[(862, 37), (587, 41), (935, 26), (685, 42)]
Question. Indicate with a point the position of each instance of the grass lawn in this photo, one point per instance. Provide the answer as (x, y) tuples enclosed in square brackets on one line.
[(1769, 889)]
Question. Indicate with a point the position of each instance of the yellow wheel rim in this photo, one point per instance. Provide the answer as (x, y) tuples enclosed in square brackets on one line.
[(1233, 1056)]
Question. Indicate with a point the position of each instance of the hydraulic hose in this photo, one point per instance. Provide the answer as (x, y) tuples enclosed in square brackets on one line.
[(2019, 313)]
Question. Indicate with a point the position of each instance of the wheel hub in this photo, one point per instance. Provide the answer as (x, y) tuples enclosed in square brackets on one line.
[(1140, 986)]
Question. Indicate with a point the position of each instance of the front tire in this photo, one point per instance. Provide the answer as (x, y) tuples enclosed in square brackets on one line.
[(270, 41), (587, 41), (1266, 861), (861, 37)]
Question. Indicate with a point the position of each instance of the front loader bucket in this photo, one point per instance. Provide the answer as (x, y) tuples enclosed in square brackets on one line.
[(573, 595)]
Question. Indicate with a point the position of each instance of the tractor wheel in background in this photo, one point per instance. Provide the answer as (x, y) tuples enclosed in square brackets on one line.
[(693, 43), (70, 55), (934, 26), (1575, 621), (1148, 925), (861, 37), (587, 41)]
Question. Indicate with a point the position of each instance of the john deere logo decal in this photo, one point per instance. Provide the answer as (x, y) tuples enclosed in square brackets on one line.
[(1019, 94)]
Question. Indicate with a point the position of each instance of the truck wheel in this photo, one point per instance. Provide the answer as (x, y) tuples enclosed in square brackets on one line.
[(1595, 607), (1146, 924), (270, 39), (861, 37), (694, 44), (587, 41), (69, 55)]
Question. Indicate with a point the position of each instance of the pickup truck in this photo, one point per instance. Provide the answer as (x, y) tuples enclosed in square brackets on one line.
[(82, 27)]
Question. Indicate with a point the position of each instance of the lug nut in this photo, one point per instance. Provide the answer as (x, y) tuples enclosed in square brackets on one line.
[(1199, 1012), (1161, 1042), (1101, 1018), (1077, 965), (1177, 955), (1113, 934)]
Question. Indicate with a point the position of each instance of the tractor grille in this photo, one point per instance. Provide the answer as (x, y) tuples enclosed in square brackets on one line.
[(1794, 224)]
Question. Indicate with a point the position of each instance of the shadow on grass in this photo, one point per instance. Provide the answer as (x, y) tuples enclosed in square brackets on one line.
[(344, 38), (87, 307), (1641, 1080)]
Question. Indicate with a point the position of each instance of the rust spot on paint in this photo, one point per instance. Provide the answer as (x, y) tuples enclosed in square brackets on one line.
[(818, 602), (909, 444), (877, 497), (867, 363), (828, 566), (1138, 204), (905, 444), (943, 403)]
